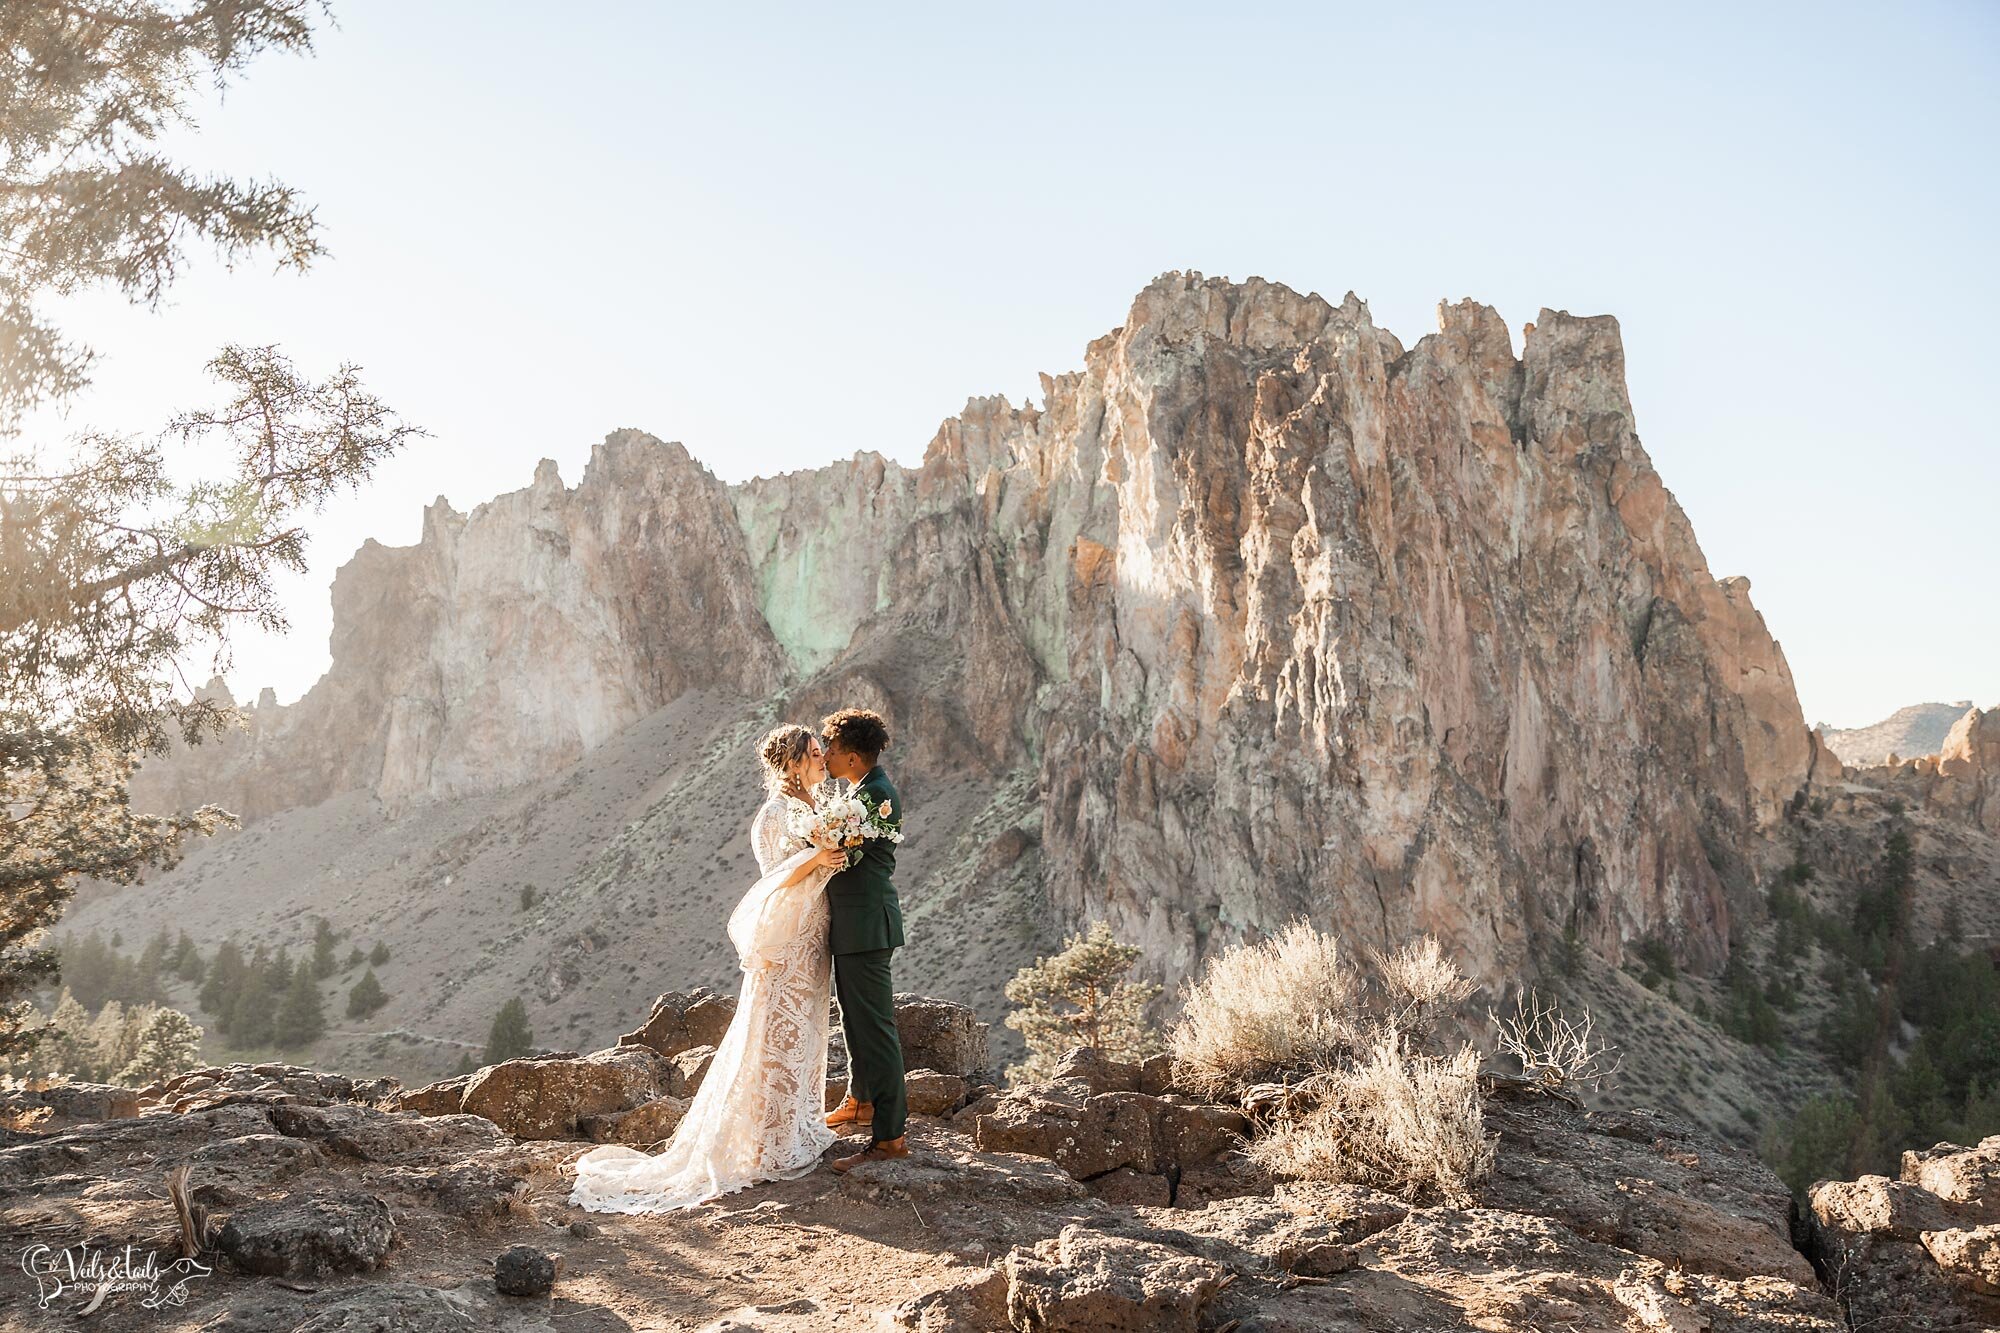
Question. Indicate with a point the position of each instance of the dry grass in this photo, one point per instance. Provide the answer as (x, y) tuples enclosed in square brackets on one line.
[(1395, 1120), (1419, 987), (1343, 1075), (1273, 1010)]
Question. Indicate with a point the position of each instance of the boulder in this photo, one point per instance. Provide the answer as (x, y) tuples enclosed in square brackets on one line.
[(1156, 1075), (1085, 1282), (477, 1192), (1108, 1131), (932, 1093), (940, 1035), (1132, 1188), (961, 1301), (545, 1098), (1876, 1203), (1965, 1176), (1090, 1134), (525, 1271), (386, 1136), (80, 1101), (445, 1097), (1970, 1254), (212, 1084), (1098, 1071), (1652, 1186), (939, 1170), (689, 1068), (312, 1235), (683, 1019), (639, 1127)]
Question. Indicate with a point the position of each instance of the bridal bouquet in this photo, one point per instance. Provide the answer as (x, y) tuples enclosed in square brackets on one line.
[(842, 818)]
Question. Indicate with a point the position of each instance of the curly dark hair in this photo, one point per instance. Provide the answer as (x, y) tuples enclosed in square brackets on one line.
[(856, 730)]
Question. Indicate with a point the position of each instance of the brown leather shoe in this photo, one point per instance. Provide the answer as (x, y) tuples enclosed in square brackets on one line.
[(887, 1150), (850, 1112)]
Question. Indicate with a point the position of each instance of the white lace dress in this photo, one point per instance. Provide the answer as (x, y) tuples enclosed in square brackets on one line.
[(759, 1113)]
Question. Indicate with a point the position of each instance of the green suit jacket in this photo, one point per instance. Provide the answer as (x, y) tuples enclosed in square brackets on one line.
[(862, 898)]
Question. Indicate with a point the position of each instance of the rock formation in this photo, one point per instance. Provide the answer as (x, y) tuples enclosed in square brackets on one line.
[(1259, 613), (314, 1202), (1918, 729)]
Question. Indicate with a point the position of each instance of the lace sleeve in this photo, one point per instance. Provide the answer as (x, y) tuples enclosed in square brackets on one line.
[(768, 836)]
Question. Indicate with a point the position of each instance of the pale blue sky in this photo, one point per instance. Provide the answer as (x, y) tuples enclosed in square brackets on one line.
[(784, 234)]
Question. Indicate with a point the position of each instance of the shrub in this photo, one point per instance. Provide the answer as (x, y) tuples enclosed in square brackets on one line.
[(1656, 961), (1419, 987), (1554, 1051), (1084, 996), (1279, 1009), (1397, 1120)]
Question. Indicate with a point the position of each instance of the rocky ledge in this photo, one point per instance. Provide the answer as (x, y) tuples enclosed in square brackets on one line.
[(1103, 1198), (1918, 1253)]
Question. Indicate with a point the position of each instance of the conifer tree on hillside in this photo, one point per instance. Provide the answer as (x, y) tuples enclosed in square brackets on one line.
[(169, 1044), (510, 1037), (365, 996), (378, 955), (186, 961), (302, 1016), (253, 1008), (220, 984), (70, 1052), (323, 962)]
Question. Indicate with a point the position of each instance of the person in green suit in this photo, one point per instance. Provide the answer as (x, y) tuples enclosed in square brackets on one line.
[(865, 928)]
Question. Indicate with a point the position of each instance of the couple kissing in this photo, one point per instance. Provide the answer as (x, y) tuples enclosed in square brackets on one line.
[(822, 917)]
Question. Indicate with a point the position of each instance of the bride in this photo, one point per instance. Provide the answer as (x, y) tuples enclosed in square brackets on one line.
[(758, 1114)]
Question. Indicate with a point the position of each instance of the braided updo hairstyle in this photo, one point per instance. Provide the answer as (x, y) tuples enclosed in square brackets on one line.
[(783, 750)]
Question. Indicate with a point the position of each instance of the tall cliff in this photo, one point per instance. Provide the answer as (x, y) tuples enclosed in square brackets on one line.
[(1259, 613)]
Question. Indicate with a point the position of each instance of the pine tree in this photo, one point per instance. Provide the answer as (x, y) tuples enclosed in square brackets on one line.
[(511, 1037), (365, 996), (153, 958), (187, 963), (220, 985), (121, 563), (323, 963), (1084, 996), (354, 959), (70, 1052), (302, 1017), (253, 1005), (379, 954), (169, 1044)]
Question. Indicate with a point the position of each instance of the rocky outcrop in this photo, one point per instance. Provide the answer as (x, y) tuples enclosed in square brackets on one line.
[(510, 640), (1918, 1253), (1910, 732), (1259, 612), (302, 1189), (1960, 783)]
